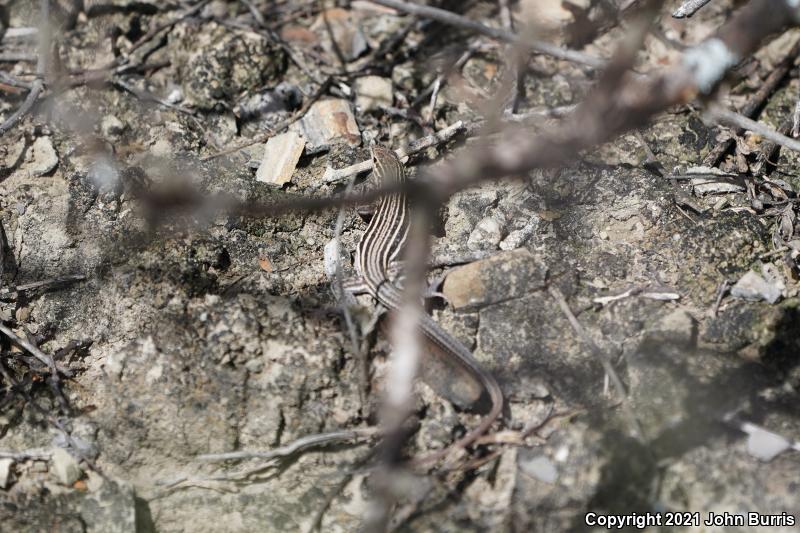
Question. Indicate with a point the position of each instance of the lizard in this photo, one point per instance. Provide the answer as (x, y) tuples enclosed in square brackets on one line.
[(376, 265)]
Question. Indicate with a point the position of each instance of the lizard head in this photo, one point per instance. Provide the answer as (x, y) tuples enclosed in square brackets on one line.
[(386, 165)]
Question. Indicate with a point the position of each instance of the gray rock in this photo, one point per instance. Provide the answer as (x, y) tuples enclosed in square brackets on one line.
[(373, 92), (65, 467), (500, 277), (5, 472), (281, 154), (541, 468), (217, 64), (112, 127), (752, 286), (44, 158), (110, 509), (346, 31), (765, 445), (328, 122), (487, 233)]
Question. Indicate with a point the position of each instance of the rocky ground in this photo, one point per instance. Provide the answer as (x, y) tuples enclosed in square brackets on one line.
[(199, 332)]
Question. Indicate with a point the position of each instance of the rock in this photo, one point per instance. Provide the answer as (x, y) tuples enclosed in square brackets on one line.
[(764, 445), (517, 237), (281, 154), (111, 126), (5, 472), (12, 152), (218, 65), (678, 326), (284, 97), (111, 508), (752, 286), (403, 76), (328, 122), (65, 467), (346, 31), (715, 186), (373, 92), (43, 157), (222, 128), (500, 277), (487, 234), (540, 467)]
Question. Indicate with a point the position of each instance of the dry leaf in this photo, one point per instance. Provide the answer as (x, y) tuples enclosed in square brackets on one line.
[(265, 264)]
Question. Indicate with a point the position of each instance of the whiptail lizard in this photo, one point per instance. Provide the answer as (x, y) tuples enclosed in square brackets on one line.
[(378, 252)]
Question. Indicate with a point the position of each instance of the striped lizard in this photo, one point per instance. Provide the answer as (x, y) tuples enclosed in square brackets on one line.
[(378, 252)]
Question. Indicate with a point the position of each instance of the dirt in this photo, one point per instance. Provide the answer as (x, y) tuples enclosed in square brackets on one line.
[(209, 332)]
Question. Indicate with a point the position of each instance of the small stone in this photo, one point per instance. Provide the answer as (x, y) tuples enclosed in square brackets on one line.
[(44, 158), (94, 481), (487, 234), (115, 363), (715, 186), (678, 326), (515, 239), (503, 276), (540, 468), (65, 467), (281, 154), (328, 122), (5, 472), (752, 286), (216, 65), (254, 365), (403, 76), (373, 92), (222, 128), (346, 31), (765, 445), (23, 314), (111, 126), (162, 148)]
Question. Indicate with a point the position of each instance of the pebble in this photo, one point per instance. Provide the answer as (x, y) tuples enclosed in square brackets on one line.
[(500, 277), (346, 32), (328, 122), (5, 472), (752, 286), (487, 234), (765, 445), (281, 154), (111, 126), (541, 468), (65, 467), (516, 238), (44, 157), (373, 92)]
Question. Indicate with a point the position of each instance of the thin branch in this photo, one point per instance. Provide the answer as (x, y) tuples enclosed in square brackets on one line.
[(33, 95), (17, 57), (720, 114), (452, 19), (34, 351), (604, 360), (333, 175), (756, 102), (295, 447), (689, 8), (41, 66), (40, 454)]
